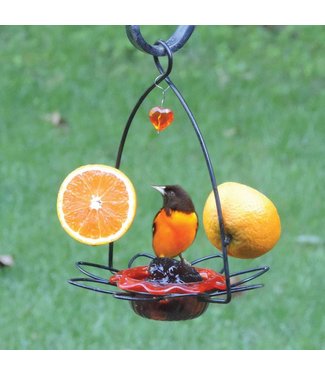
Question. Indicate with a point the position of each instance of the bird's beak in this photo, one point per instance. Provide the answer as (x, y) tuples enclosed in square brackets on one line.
[(160, 188)]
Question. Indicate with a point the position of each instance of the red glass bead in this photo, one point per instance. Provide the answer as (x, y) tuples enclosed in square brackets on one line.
[(161, 117)]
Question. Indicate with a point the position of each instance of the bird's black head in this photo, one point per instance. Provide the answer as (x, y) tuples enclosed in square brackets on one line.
[(175, 198)]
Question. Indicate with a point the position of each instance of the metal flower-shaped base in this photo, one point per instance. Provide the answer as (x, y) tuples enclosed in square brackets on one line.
[(184, 304)]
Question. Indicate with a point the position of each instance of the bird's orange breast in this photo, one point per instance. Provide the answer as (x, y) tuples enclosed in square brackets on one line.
[(173, 233)]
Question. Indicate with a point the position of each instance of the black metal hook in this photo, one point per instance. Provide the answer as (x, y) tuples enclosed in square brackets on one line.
[(175, 42)]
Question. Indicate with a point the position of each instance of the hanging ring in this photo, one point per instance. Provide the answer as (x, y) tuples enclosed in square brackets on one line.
[(175, 42)]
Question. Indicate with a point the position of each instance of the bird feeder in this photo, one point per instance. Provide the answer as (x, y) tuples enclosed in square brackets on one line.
[(170, 301)]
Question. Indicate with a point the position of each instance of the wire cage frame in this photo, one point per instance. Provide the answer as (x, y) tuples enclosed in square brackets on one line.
[(234, 282)]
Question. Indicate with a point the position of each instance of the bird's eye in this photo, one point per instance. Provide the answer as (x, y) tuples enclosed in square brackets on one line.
[(172, 193)]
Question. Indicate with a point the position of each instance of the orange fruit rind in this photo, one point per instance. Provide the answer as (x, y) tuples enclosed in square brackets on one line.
[(96, 204)]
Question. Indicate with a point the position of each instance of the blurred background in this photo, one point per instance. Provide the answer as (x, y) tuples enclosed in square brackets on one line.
[(257, 93)]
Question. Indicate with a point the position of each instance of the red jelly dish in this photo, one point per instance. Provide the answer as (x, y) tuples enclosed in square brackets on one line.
[(168, 300)]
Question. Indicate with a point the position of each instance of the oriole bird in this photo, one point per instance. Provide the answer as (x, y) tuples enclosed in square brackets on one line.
[(176, 223)]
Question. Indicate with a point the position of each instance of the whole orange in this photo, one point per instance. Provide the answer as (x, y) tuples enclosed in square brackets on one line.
[(251, 220)]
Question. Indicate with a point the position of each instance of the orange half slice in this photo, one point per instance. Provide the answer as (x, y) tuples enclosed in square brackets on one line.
[(96, 204)]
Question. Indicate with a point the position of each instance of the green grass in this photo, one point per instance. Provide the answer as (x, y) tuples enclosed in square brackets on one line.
[(258, 96)]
